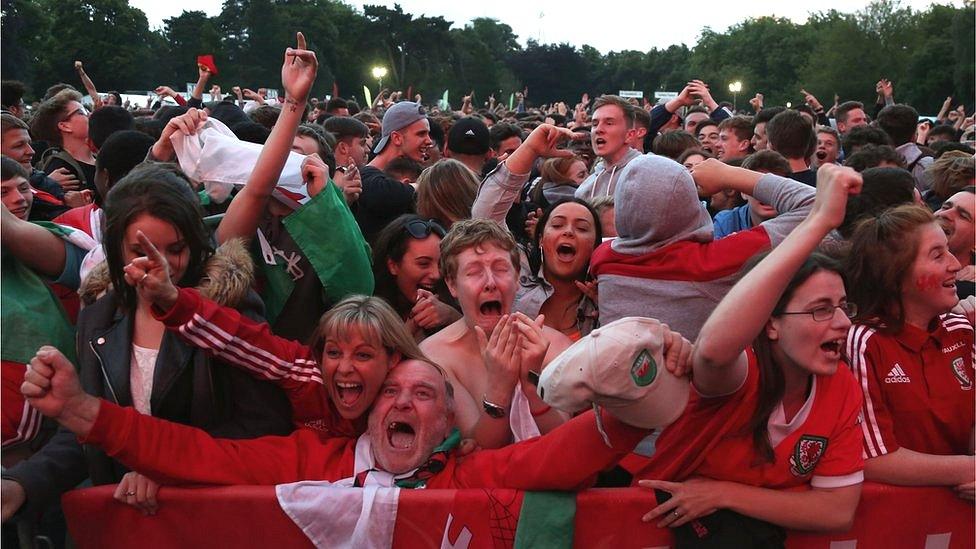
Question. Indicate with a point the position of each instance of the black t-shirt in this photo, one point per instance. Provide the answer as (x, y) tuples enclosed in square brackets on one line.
[(87, 177), (383, 199), (807, 176)]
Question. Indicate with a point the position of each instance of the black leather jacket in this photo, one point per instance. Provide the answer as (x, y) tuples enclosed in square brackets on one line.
[(189, 387)]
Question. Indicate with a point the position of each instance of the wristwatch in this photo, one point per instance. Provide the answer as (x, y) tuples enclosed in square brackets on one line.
[(493, 409)]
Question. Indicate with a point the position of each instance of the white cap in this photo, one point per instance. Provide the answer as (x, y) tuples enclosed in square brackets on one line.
[(620, 367)]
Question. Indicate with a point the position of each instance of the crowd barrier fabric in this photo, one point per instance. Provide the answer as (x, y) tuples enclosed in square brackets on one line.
[(250, 516)]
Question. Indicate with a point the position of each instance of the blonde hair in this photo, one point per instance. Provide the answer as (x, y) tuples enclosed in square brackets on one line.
[(473, 232), (951, 173), (446, 191), (601, 203), (375, 320)]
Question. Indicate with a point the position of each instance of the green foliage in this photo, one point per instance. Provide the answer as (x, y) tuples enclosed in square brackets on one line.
[(926, 54)]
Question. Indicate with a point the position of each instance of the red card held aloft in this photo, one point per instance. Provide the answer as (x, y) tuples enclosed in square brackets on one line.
[(207, 62)]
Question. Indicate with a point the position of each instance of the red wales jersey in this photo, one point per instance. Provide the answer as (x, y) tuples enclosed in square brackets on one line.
[(819, 446), (918, 387)]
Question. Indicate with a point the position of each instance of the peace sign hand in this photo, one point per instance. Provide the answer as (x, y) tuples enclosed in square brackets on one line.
[(149, 275)]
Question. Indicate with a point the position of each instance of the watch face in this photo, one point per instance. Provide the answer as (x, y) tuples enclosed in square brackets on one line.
[(494, 411)]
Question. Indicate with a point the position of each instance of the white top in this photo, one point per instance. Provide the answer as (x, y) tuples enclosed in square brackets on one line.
[(141, 372)]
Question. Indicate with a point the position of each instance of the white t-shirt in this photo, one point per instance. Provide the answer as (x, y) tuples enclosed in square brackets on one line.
[(141, 371)]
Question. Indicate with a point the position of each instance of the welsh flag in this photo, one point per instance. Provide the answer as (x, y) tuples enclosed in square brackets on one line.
[(31, 315), (328, 235), (371, 517)]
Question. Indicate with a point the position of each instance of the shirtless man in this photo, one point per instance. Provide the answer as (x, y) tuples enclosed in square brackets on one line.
[(490, 350)]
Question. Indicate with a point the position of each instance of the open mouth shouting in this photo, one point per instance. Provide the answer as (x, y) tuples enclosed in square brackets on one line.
[(348, 392), (833, 348), (491, 308), (950, 284), (566, 252), (401, 435), (821, 154)]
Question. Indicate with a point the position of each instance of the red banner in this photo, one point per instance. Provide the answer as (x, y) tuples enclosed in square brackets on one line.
[(249, 516)]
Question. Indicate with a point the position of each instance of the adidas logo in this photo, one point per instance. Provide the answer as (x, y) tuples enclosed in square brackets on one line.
[(897, 375)]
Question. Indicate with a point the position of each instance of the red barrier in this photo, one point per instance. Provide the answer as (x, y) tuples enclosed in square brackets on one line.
[(249, 516)]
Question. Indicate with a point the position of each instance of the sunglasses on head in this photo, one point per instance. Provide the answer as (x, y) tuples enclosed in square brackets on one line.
[(420, 229)]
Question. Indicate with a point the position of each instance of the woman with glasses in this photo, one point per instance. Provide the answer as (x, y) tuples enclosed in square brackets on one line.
[(406, 269), (775, 408), (912, 352)]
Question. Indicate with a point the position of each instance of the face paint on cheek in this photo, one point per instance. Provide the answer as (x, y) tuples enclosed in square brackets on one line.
[(927, 282)]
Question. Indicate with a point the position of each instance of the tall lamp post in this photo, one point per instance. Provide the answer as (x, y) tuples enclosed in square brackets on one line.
[(379, 73), (735, 88)]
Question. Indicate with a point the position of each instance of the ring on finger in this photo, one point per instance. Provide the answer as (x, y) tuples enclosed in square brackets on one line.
[(676, 513), (144, 277), (130, 493)]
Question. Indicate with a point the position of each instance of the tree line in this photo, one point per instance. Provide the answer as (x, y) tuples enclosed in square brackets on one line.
[(927, 54)]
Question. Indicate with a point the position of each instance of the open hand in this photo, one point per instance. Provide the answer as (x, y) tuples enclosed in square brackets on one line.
[(690, 500), (66, 179), (500, 353), (533, 345), (545, 139)]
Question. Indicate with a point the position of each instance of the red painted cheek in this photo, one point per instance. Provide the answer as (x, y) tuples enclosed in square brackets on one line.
[(927, 282)]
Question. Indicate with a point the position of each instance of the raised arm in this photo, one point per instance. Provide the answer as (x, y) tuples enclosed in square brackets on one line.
[(719, 357), (33, 245), (297, 76), (501, 188), (89, 86), (150, 445), (221, 330), (196, 96)]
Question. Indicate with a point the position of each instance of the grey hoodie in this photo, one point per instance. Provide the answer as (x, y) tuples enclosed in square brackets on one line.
[(602, 182), (665, 264)]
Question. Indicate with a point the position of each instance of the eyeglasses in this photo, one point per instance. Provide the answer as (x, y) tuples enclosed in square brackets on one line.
[(825, 313), (420, 229), (80, 110)]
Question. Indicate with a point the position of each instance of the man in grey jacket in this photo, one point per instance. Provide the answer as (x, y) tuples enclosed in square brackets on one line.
[(613, 127)]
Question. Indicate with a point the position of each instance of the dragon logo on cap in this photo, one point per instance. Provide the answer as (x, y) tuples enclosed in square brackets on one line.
[(644, 369)]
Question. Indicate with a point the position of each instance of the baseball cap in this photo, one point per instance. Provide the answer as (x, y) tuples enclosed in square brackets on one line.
[(469, 136), (620, 367), (397, 117)]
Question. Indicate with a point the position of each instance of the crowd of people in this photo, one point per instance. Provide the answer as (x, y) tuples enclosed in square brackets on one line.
[(393, 295)]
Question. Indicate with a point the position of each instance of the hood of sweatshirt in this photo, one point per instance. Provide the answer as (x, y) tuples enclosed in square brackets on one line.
[(656, 204)]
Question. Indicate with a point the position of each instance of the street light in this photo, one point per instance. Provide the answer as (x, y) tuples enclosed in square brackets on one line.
[(735, 88), (379, 73)]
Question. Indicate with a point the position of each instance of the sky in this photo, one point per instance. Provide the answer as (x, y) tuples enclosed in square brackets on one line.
[(645, 25)]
